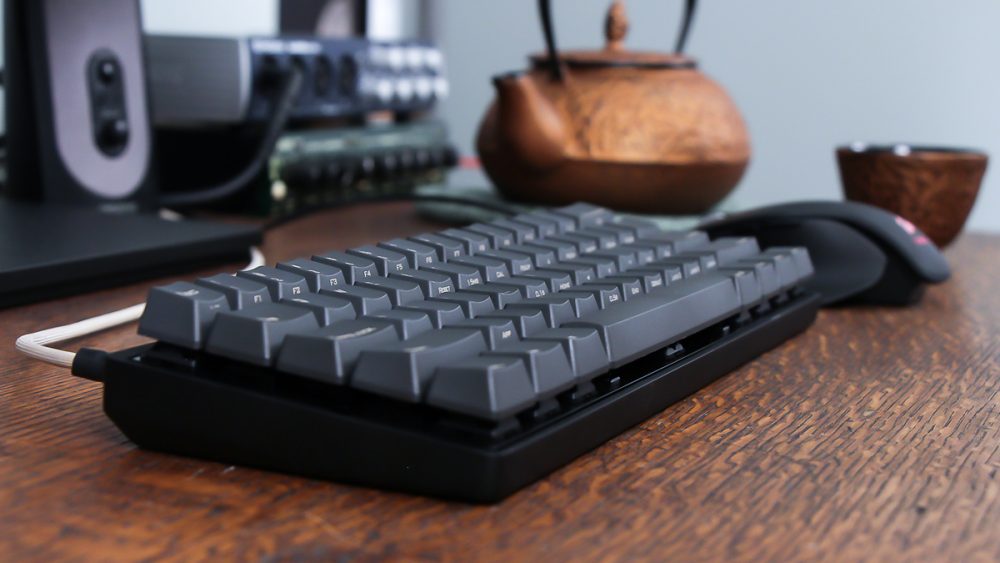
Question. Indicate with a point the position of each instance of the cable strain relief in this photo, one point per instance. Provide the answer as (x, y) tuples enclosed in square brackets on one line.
[(90, 363)]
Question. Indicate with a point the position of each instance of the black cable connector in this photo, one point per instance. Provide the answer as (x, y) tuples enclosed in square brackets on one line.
[(90, 363), (283, 107)]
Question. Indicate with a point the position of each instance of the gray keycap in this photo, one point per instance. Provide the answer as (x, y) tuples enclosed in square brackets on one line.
[(462, 275), (606, 295), (528, 287), (583, 244), (730, 249), (365, 299), (563, 250), (255, 334), (472, 304), (666, 274), (501, 295), (407, 323), (280, 283), (522, 233), (491, 269), (584, 350), (643, 324), (548, 366), (555, 309), (800, 259), (747, 285), (581, 273), (239, 292), (602, 266), (496, 332), (446, 248), (679, 241), (640, 227), (441, 313), (584, 303), (622, 234), (490, 388), (516, 262), (544, 226), (416, 254), (499, 238), (181, 313), (400, 292), (584, 214), (556, 281), (623, 258), (540, 257), (432, 283), (330, 353), (784, 267), (688, 267), (606, 239), (526, 322), (403, 370), (766, 275), (355, 268), (386, 261), (643, 254), (631, 285), (327, 308), (660, 249), (563, 223), (473, 242), (317, 274)]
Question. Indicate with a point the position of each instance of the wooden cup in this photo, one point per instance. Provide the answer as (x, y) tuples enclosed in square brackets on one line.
[(932, 187)]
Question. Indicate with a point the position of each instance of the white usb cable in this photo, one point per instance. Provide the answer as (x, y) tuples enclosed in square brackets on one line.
[(36, 343)]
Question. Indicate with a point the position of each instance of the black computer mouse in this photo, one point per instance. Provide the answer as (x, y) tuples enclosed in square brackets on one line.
[(860, 253)]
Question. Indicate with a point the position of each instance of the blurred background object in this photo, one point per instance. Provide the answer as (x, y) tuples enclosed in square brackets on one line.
[(806, 76), (642, 131), (934, 187)]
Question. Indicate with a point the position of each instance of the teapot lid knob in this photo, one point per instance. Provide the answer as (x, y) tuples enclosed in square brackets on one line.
[(615, 26)]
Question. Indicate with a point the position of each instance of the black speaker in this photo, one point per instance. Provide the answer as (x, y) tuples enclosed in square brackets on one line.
[(77, 112)]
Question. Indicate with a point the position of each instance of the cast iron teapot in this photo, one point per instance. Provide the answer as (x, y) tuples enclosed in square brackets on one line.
[(638, 131)]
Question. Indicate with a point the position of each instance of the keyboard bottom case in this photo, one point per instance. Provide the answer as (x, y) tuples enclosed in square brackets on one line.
[(177, 410)]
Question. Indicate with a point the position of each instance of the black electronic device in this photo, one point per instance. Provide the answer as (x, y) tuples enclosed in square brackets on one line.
[(311, 167), (76, 114), (861, 253), (50, 250), (464, 364), (222, 81), (325, 167)]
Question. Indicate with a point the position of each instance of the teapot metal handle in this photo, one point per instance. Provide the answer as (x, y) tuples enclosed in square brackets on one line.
[(555, 66)]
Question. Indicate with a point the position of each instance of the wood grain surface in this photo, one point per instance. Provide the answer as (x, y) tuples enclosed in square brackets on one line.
[(873, 436)]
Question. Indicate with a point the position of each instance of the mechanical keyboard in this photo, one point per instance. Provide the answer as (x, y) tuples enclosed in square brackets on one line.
[(462, 364)]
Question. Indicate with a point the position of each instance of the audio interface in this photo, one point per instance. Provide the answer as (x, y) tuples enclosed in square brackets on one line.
[(197, 81), (330, 166)]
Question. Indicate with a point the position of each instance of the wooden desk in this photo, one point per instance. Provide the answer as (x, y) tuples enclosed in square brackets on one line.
[(874, 435)]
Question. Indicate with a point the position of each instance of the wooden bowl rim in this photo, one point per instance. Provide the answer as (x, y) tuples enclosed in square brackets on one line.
[(903, 150)]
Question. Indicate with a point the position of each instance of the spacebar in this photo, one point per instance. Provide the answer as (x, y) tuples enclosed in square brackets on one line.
[(648, 322)]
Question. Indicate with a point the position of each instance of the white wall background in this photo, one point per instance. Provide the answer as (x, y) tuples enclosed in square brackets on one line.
[(807, 75)]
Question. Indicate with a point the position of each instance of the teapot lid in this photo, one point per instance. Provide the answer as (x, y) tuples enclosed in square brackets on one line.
[(614, 53)]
